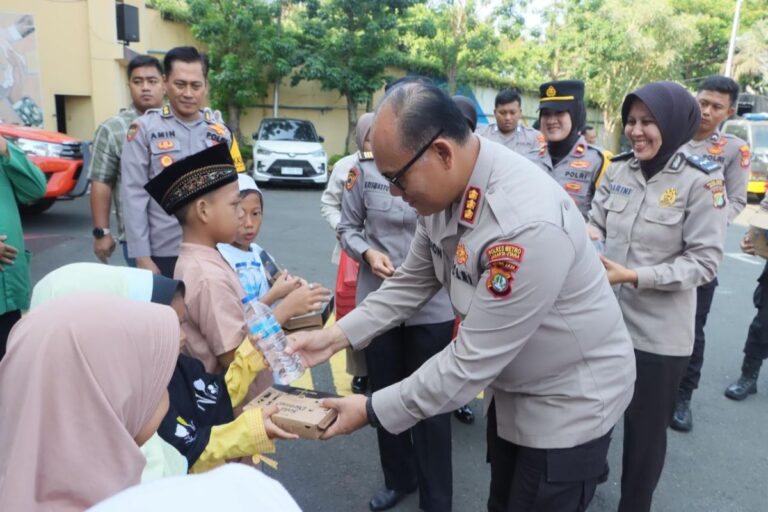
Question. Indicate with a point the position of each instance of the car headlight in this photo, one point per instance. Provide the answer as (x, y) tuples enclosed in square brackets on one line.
[(262, 151), (38, 147), (319, 152)]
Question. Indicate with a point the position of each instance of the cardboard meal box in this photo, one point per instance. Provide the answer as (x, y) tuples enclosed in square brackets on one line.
[(758, 233), (310, 321), (300, 411)]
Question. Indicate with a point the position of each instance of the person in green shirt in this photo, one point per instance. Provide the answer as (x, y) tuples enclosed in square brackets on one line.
[(20, 182)]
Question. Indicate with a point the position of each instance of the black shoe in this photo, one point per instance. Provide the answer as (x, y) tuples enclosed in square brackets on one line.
[(682, 420), (384, 499), (746, 385), (359, 385), (465, 415)]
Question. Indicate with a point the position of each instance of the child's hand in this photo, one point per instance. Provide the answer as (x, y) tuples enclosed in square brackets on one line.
[(273, 431), (307, 299), (284, 284)]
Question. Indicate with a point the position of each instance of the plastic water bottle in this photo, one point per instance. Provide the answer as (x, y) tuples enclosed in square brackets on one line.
[(246, 278), (271, 341)]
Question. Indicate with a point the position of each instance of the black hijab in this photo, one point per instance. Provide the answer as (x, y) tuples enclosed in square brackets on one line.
[(677, 115)]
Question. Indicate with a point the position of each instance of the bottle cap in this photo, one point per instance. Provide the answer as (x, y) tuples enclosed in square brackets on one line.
[(248, 298)]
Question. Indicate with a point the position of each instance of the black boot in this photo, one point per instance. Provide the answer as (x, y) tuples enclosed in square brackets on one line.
[(682, 419), (747, 383), (384, 499)]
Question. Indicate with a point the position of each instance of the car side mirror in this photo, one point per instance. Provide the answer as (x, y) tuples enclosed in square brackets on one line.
[(321, 138)]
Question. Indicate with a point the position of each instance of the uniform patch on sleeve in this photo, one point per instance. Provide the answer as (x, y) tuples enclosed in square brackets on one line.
[(745, 156), (499, 282), (351, 178), (471, 199), (132, 131), (504, 252), (717, 189)]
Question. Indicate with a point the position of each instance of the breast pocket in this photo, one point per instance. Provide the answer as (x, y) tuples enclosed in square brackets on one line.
[(461, 295), (615, 207), (164, 153), (662, 229), (378, 202)]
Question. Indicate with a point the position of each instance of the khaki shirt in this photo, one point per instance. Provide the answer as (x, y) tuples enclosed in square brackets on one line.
[(732, 153), (670, 230), (578, 172), (371, 218), (523, 140), (154, 141), (540, 326)]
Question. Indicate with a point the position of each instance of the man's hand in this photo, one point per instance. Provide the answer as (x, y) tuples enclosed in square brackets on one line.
[(747, 247), (380, 263), (351, 415), (146, 263), (315, 347), (273, 431), (8, 253), (617, 273), (104, 247)]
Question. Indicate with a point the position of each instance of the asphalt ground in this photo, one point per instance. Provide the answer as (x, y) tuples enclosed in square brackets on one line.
[(721, 466)]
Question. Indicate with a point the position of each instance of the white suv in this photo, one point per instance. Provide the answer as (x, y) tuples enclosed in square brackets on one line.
[(289, 150)]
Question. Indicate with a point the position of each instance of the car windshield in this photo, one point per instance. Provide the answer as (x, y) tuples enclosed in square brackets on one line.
[(287, 129), (760, 134)]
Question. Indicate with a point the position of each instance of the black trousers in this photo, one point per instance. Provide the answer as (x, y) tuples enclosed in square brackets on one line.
[(704, 295), (756, 346), (166, 264), (7, 321), (539, 480), (420, 456), (645, 427)]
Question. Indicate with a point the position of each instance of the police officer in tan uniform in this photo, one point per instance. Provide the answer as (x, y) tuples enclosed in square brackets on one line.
[(156, 140), (508, 130), (717, 97), (662, 213), (540, 328), (568, 158)]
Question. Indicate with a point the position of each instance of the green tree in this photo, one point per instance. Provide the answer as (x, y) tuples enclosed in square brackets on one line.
[(751, 60), (347, 45)]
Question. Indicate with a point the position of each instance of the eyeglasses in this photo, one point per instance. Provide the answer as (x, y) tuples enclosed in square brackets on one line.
[(398, 176)]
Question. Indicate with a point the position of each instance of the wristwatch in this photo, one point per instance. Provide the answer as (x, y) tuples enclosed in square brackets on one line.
[(100, 232), (372, 419)]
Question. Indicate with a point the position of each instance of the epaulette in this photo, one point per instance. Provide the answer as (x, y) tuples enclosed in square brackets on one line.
[(152, 111), (364, 156), (622, 156), (166, 111), (703, 164)]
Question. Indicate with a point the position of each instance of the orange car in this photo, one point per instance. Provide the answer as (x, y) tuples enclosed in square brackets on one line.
[(59, 156)]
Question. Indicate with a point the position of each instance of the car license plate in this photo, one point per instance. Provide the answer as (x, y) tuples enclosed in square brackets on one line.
[(292, 171)]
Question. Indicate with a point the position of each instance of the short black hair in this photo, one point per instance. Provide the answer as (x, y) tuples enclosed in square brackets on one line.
[(244, 194), (143, 61), (408, 79), (722, 84), (181, 213), (422, 110), (188, 54), (586, 128), (508, 96)]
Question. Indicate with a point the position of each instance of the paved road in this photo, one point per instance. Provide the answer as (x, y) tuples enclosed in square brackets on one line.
[(722, 466)]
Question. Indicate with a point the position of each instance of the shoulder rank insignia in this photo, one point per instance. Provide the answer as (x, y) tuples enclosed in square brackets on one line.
[(219, 128), (745, 157), (703, 164), (364, 156), (717, 188), (166, 110), (677, 161), (471, 199), (132, 131), (351, 178), (622, 156)]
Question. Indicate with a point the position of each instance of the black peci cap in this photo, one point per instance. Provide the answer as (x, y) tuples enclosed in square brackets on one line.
[(194, 176)]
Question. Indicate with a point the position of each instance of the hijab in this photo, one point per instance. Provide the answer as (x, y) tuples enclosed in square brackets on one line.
[(72, 402), (363, 127), (677, 115)]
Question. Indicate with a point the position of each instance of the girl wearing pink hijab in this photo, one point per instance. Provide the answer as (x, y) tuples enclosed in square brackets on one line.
[(75, 405)]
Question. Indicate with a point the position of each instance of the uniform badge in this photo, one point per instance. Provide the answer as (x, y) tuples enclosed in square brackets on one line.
[(499, 282), (461, 254), (579, 164), (132, 131), (580, 149), (668, 198), (551, 91), (745, 157), (351, 178), (165, 144), (219, 129), (366, 155), (717, 189), (573, 186), (504, 252), (207, 115), (166, 160), (677, 161), (166, 110), (715, 150), (471, 198)]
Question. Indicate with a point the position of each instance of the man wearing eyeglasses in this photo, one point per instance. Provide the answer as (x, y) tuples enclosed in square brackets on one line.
[(540, 330)]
